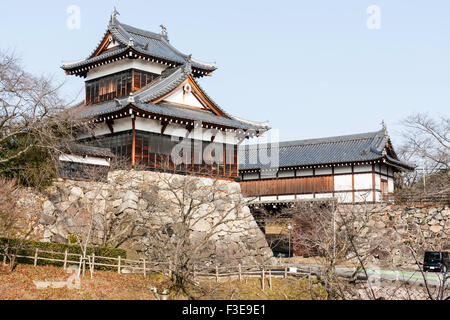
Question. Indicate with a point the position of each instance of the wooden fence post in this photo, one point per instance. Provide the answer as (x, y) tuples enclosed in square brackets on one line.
[(262, 279), (65, 259), (36, 256), (92, 264), (145, 268), (79, 265), (270, 279), (118, 265), (309, 276), (217, 274), (4, 255), (285, 272), (240, 272)]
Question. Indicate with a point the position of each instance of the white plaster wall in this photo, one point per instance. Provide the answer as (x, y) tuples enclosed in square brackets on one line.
[(251, 176), (304, 172), (363, 168), (183, 98), (305, 196), (148, 125), (123, 65), (269, 198), (324, 195), (123, 124), (323, 171), (344, 197), (84, 160), (377, 196), (287, 197), (343, 182), (346, 169), (363, 196), (363, 181), (286, 173), (390, 185), (226, 137), (377, 181), (177, 130)]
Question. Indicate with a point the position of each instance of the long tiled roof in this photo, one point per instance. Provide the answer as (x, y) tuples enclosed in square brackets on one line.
[(144, 42), (86, 150), (82, 111), (342, 149)]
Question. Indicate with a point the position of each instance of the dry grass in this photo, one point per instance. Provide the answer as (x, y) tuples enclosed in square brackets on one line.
[(108, 285)]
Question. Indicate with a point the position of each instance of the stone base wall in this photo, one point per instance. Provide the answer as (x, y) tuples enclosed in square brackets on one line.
[(391, 229), (66, 205)]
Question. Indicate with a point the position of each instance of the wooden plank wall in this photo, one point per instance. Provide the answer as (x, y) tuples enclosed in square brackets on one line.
[(299, 185)]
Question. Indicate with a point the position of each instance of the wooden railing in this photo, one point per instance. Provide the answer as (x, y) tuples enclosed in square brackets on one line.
[(143, 266)]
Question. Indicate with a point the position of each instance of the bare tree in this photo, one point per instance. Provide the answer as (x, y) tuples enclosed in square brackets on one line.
[(427, 143), (331, 234), (16, 226), (30, 118), (192, 216)]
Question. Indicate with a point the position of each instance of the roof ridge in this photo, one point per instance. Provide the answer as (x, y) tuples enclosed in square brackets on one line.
[(141, 32), (317, 141)]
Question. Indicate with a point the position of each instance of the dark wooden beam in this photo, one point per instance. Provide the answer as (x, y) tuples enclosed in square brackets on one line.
[(133, 146), (189, 129), (110, 124), (164, 126)]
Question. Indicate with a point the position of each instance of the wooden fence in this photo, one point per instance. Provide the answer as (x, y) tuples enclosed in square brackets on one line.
[(143, 266)]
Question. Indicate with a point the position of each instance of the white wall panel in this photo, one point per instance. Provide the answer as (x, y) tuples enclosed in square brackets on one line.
[(343, 182), (346, 169), (377, 181), (363, 181), (269, 198), (305, 196), (323, 171), (251, 176), (304, 172), (286, 174), (390, 185), (363, 196), (123, 65), (84, 160), (344, 197), (148, 125), (324, 195), (363, 168), (287, 197)]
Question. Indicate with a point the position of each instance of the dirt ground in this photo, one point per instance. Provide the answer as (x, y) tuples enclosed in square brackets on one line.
[(108, 285)]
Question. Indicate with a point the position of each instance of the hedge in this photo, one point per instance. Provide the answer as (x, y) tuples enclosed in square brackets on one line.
[(29, 248)]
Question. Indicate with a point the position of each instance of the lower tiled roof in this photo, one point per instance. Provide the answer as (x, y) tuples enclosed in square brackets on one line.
[(332, 150), (86, 150)]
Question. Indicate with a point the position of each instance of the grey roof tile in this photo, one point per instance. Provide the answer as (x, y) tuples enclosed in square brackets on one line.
[(340, 149), (86, 150), (145, 42)]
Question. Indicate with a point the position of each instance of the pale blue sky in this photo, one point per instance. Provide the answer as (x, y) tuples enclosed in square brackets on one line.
[(312, 68)]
